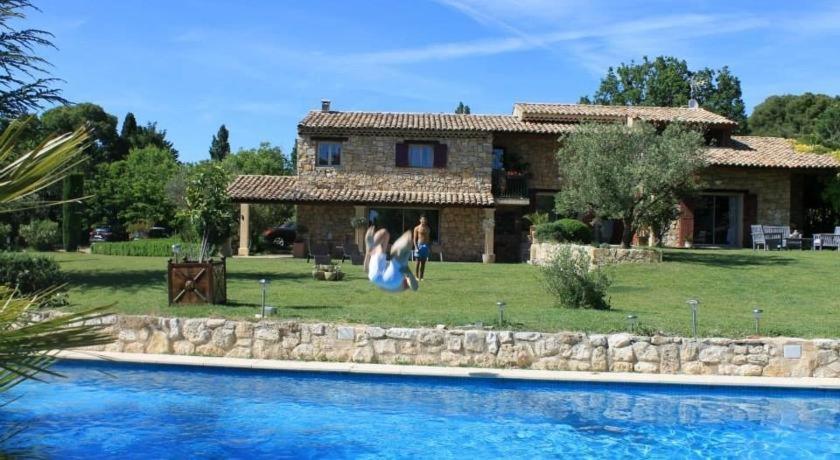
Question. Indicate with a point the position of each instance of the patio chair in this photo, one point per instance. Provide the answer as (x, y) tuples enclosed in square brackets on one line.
[(351, 251), (826, 240), (320, 252), (757, 233)]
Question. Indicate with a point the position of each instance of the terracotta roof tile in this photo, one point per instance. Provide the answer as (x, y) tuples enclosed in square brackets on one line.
[(254, 188), (767, 152), (384, 121), (576, 112)]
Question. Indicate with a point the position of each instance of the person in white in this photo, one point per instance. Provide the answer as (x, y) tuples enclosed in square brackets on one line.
[(389, 275)]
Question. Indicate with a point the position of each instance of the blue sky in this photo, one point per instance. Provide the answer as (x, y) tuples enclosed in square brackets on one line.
[(259, 66)]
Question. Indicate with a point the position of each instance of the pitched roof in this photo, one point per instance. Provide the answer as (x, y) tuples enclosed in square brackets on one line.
[(767, 152), (255, 188), (317, 121), (576, 112)]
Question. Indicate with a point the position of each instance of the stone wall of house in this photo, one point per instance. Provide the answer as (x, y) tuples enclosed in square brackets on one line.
[(368, 162), (539, 151), (482, 348), (772, 188), (325, 221), (542, 252), (461, 234)]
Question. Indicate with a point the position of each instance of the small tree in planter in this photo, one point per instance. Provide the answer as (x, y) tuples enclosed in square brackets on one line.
[(200, 279)]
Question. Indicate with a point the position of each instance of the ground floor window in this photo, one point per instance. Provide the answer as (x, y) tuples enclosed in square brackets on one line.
[(399, 220), (717, 219)]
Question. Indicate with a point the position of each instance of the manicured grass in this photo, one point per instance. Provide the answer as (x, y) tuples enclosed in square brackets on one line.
[(799, 292)]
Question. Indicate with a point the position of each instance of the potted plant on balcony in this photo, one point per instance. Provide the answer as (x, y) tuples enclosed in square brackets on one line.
[(299, 246), (198, 278)]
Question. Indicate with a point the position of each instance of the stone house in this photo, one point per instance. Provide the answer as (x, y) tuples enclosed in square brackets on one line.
[(475, 176)]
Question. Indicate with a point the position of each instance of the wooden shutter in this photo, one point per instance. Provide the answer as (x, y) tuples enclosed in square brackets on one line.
[(402, 155), (440, 156), (750, 217), (686, 229)]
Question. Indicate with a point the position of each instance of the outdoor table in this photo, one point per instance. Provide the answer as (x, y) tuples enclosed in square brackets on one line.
[(798, 243)]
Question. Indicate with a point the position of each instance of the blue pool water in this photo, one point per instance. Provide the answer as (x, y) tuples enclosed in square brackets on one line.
[(137, 411)]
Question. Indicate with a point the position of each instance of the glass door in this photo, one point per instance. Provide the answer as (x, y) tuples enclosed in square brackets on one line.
[(717, 220)]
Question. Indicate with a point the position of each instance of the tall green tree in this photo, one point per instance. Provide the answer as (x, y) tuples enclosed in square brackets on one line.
[(150, 136), (631, 174), (25, 83), (220, 147), (462, 109), (71, 212), (133, 190), (794, 117), (827, 127), (129, 127), (666, 81), (104, 147)]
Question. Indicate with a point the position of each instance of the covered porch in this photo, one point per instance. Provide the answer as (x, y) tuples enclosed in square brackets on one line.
[(462, 223)]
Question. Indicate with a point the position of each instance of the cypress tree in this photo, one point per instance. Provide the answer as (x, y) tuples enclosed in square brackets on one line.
[(71, 218), (220, 147)]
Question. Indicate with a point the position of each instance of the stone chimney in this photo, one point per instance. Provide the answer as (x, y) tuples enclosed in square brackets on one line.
[(325, 105)]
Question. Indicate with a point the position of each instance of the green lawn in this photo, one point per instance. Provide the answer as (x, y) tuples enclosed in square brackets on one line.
[(799, 292)]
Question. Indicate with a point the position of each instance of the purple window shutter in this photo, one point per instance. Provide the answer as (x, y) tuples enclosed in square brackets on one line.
[(440, 155), (402, 155)]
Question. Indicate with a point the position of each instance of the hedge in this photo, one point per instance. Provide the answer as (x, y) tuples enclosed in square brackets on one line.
[(146, 248), (29, 273), (565, 231)]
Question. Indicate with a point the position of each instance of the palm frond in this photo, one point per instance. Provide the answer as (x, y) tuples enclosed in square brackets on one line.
[(28, 346), (41, 167)]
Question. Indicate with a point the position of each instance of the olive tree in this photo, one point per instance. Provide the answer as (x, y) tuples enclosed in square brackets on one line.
[(630, 173)]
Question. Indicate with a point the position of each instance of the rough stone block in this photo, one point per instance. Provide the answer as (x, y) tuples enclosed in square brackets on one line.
[(619, 340), (401, 333), (196, 331), (345, 333), (526, 336), (646, 367), (386, 346), (244, 329), (159, 343), (713, 354), (267, 332), (375, 332), (213, 323), (669, 359), (474, 341), (453, 343), (646, 352), (492, 340), (430, 337), (622, 367), (505, 337)]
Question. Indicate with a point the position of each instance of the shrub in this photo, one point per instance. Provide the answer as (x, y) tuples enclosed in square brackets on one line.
[(568, 278), (29, 273), (565, 230), (145, 248), (5, 236), (40, 234)]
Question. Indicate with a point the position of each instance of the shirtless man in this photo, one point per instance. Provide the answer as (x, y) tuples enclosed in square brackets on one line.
[(422, 237), (394, 275)]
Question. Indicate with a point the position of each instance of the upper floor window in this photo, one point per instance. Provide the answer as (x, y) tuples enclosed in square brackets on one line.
[(414, 154), (329, 153), (421, 155)]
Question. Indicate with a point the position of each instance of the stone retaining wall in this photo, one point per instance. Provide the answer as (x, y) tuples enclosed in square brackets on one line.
[(482, 348), (542, 252)]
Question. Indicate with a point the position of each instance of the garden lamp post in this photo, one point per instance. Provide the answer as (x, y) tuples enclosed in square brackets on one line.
[(176, 251), (501, 306), (632, 322), (693, 303), (264, 287), (757, 316)]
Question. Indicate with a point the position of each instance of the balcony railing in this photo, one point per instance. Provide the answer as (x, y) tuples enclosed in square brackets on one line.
[(508, 184)]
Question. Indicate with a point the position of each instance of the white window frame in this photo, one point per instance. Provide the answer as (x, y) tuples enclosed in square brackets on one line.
[(330, 153)]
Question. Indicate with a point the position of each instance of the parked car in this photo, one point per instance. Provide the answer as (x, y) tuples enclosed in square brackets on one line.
[(281, 236), (102, 234)]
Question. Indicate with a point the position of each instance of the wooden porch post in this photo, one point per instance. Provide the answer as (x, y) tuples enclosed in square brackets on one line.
[(244, 228), (489, 256), (360, 231)]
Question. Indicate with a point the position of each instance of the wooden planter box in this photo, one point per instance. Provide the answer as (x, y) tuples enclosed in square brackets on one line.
[(197, 282)]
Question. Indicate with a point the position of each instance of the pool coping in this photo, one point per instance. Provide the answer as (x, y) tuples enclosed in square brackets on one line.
[(458, 372)]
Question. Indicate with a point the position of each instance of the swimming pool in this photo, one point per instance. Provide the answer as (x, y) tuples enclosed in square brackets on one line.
[(143, 411)]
